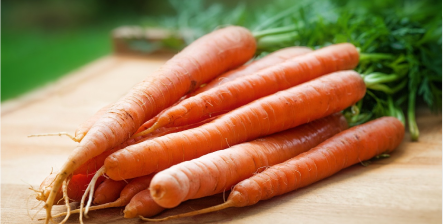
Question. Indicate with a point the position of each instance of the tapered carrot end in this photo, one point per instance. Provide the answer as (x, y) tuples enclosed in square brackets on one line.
[(227, 204), (154, 127)]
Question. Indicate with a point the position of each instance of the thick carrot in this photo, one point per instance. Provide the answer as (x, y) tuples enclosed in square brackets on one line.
[(286, 109), (219, 171), (244, 70), (95, 163), (129, 191), (238, 92), (198, 63), (142, 204), (108, 191), (349, 147)]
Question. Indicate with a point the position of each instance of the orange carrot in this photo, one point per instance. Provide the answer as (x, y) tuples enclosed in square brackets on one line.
[(142, 204), (219, 171), (129, 191), (265, 82), (198, 63), (269, 60), (95, 163), (75, 188), (108, 191), (286, 109), (349, 147), (255, 66)]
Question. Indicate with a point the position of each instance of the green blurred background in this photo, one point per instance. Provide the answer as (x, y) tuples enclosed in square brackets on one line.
[(43, 40)]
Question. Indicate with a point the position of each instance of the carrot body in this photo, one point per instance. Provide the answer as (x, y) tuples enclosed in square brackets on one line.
[(108, 191), (95, 163), (283, 110), (244, 70), (219, 171), (265, 82), (343, 150), (142, 204), (255, 66)]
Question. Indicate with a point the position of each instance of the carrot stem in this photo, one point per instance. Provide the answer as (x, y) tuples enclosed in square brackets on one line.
[(413, 128), (227, 204)]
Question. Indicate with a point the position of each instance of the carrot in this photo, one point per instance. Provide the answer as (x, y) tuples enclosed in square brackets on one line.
[(198, 63), (108, 191), (349, 147), (219, 171), (75, 188), (255, 66), (142, 204), (265, 82), (286, 109), (95, 163), (269, 60), (129, 191)]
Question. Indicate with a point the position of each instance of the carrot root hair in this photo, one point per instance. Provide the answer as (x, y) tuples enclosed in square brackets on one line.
[(219, 207), (91, 185), (154, 127), (65, 196), (113, 204), (75, 139)]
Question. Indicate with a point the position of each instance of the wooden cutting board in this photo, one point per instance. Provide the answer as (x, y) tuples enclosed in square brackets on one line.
[(406, 188)]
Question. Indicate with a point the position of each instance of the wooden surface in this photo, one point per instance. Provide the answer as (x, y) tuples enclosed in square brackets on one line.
[(406, 188)]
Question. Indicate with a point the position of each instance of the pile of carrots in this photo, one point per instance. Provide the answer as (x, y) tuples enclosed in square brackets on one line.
[(208, 121)]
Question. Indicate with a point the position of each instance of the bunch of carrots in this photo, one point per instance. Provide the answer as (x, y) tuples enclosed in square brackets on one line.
[(208, 121)]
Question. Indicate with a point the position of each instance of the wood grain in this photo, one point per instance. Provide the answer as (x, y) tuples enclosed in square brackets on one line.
[(405, 188)]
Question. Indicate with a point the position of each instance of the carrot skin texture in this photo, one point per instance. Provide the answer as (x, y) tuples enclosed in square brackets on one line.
[(108, 191), (349, 147), (255, 66), (265, 82), (219, 171), (95, 163), (244, 70), (142, 204), (286, 109)]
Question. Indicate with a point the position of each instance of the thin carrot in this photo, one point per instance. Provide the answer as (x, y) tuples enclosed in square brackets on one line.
[(244, 70), (198, 63), (286, 109), (108, 191), (129, 191), (349, 147), (219, 171), (265, 82), (142, 204)]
